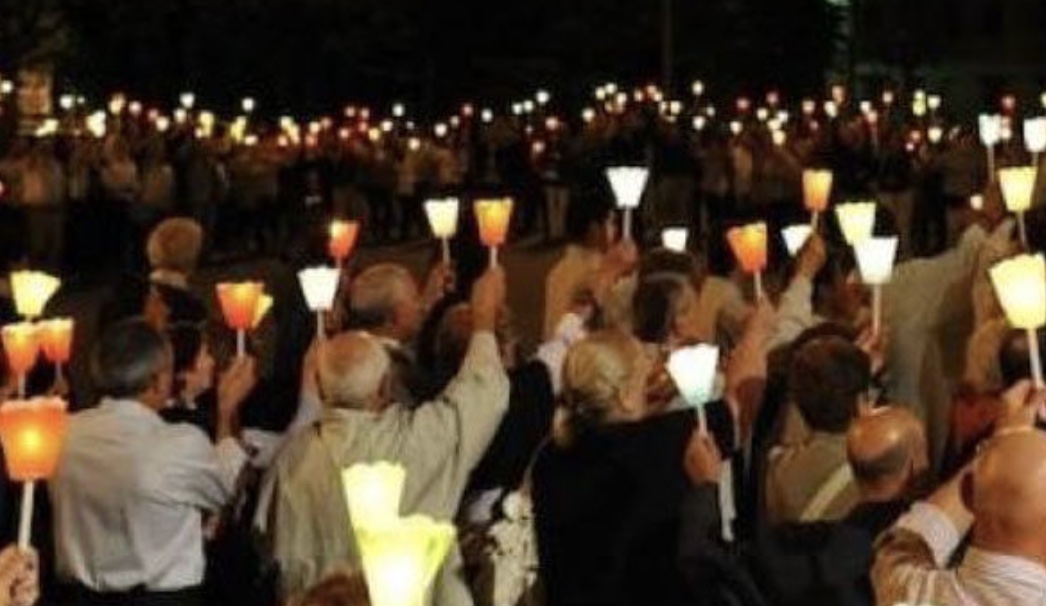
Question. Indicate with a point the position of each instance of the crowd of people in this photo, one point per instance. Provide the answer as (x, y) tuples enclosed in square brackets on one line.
[(837, 464)]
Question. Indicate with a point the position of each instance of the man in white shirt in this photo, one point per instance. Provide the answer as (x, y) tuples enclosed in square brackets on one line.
[(130, 490)]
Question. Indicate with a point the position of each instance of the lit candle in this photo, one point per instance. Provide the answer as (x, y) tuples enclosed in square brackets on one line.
[(1018, 190), (265, 302), (675, 238), (493, 218), (693, 370), (795, 236), (32, 432), (320, 286), (31, 291), (343, 235), (56, 341), (1035, 137), (817, 189), (401, 560), (875, 258), (628, 183), (749, 245), (856, 220), (22, 345), (989, 127), (239, 303), (1020, 285), (443, 219), (373, 492)]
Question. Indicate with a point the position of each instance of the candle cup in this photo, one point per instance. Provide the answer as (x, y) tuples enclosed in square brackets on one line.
[(401, 560), (1020, 285), (795, 237), (32, 432), (31, 291), (56, 341), (373, 492), (239, 304), (627, 183), (856, 220), (675, 238), (817, 190), (748, 243), (875, 259), (443, 219), (1018, 192), (693, 370), (343, 236), (493, 217), (22, 345)]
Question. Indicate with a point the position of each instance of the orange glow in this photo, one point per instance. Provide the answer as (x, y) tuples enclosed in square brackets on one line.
[(749, 245), (22, 345), (817, 189), (493, 217), (32, 432), (239, 303), (56, 339), (343, 235)]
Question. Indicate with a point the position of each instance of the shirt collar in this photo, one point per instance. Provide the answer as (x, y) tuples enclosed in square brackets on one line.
[(1003, 569), (130, 408)]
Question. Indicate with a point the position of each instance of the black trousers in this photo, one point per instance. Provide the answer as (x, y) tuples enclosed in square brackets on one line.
[(78, 595)]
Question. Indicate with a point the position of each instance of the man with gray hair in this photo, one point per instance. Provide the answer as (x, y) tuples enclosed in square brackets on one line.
[(302, 510)]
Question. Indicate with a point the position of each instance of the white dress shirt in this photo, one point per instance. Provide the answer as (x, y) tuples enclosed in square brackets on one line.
[(128, 497)]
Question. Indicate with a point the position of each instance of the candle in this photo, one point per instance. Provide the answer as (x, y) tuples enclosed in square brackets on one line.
[(856, 220), (373, 492), (22, 345), (320, 286), (875, 258), (56, 341), (31, 291), (239, 303), (401, 560), (675, 238), (261, 310), (693, 370), (628, 183), (443, 219), (795, 236), (1020, 285), (817, 189), (1035, 137), (343, 235), (493, 218), (989, 127), (32, 432), (749, 245), (1018, 191)]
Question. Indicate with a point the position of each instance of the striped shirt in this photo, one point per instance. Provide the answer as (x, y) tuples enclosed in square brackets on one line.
[(911, 566)]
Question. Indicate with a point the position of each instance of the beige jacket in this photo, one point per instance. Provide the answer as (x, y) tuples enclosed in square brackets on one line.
[(302, 511)]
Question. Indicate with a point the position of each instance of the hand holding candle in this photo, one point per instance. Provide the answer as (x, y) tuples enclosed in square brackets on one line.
[(628, 183), (32, 432), (749, 245), (1020, 285), (443, 219), (493, 217), (239, 303)]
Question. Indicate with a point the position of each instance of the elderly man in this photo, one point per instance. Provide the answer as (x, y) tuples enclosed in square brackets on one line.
[(386, 302), (1003, 498), (811, 480), (130, 490), (303, 510), (817, 563)]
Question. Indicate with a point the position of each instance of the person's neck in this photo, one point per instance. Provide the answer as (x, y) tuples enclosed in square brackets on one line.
[(1026, 545)]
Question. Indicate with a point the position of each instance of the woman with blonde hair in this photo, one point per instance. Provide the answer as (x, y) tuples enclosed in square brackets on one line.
[(608, 487)]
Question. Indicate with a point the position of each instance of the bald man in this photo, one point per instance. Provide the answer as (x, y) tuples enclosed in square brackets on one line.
[(1002, 494), (824, 563), (303, 510)]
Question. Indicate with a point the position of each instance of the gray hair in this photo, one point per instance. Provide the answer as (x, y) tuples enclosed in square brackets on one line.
[(351, 369), (128, 358)]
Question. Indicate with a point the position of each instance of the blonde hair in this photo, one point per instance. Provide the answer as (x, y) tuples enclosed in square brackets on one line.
[(175, 245), (597, 374)]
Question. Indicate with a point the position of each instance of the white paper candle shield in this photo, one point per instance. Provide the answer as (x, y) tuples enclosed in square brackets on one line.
[(1020, 284), (989, 128), (628, 183), (795, 236), (675, 238), (401, 560), (693, 370), (320, 286), (443, 216), (1035, 135), (856, 220), (31, 291), (875, 258), (1018, 187), (372, 493)]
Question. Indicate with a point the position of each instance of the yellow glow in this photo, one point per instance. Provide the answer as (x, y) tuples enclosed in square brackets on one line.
[(1020, 285)]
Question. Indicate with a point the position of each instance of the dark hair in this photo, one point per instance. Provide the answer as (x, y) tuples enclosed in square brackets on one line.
[(663, 260), (128, 357), (839, 264), (654, 306), (826, 378), (186, 339), (1015, 356)]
